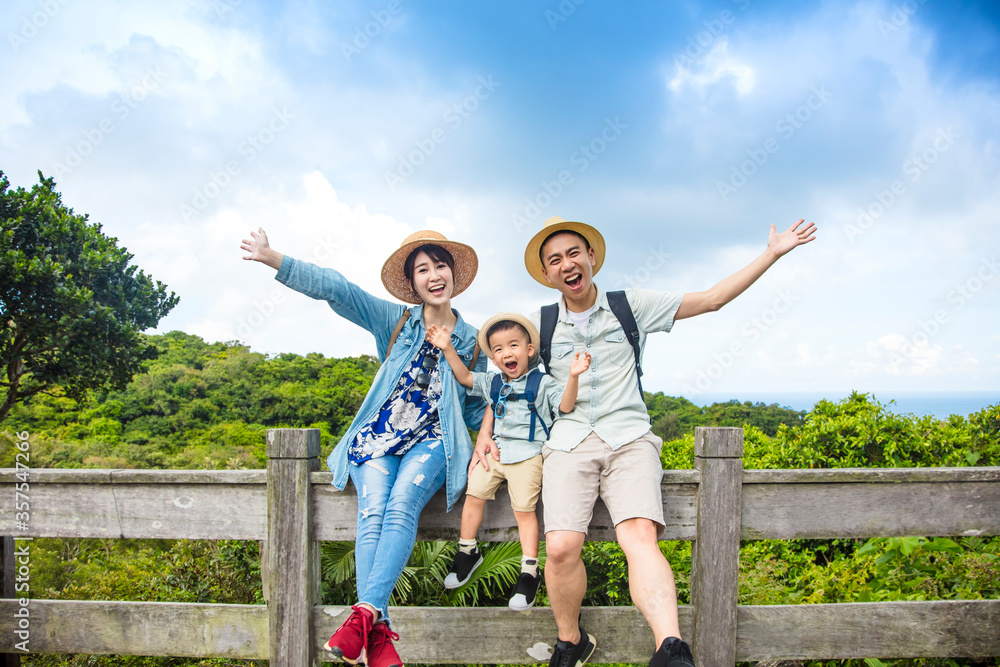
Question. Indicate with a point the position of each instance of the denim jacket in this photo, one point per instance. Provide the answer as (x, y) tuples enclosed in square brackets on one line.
[(456, 409)]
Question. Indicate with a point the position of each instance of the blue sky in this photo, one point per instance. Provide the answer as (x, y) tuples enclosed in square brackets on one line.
[(681, 130)]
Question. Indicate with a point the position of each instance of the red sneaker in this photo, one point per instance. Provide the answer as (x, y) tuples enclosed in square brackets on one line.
[(348, 643), (381, 652)]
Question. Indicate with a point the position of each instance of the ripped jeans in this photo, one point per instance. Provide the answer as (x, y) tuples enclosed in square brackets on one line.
[(392, 491)]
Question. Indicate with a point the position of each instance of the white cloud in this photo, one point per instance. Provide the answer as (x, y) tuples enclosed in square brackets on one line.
[(714, 67)]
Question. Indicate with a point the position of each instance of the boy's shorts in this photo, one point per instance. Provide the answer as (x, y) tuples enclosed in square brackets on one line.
[(627, 479), (524, 482)]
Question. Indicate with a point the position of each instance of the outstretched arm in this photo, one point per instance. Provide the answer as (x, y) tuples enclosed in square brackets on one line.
[(260, 250), (696, 303), (440, 338)]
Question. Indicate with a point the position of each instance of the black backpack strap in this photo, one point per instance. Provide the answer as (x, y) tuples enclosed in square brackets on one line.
[(547, 327), (395, 332), (531, 393), (623, 311), (495, 396)]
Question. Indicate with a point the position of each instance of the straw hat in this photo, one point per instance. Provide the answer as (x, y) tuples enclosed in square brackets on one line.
[(550, 227), (466, 264), (514, 317)]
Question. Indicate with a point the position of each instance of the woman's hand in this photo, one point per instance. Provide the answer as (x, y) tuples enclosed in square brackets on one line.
[(260, 250), (485, 447)]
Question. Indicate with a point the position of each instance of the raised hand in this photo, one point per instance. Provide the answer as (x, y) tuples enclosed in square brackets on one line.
[(260, 250), (439, 337), (791, 238), (580, 364)]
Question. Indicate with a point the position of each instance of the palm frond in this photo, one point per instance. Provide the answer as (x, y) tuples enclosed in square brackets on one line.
[(501, 565), (337, 561)]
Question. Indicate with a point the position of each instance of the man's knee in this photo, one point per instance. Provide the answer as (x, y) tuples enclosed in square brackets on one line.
[(563, 546), (637, 534)]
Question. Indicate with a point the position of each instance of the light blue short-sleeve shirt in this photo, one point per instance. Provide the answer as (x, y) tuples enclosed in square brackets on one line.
[(608, 402), (510, 432)]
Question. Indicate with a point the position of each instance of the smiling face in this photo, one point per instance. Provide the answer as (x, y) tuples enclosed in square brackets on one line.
[(432, 279), (510, 348), (568, 265)]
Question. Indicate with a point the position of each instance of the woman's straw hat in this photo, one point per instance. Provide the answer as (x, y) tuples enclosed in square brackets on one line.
[(466, 264), (484, 344), (557, 224)]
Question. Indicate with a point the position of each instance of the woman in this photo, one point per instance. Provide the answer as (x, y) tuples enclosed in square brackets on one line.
[(409, 437)]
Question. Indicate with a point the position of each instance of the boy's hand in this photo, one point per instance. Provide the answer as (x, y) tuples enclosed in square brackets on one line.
[(439, 337), (580, 364)]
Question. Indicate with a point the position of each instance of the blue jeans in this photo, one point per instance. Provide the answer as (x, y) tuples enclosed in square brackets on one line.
[(392, 491)]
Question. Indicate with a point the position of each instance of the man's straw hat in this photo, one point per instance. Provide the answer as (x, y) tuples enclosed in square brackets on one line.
[(466, 264), (484, 344), (557, 224)]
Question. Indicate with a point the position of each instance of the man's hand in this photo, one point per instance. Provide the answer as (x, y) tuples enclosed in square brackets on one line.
[(791, 238)]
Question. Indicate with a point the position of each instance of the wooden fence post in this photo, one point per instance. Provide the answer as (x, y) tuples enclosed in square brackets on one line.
[(7, 558), (292, 555), (716, 551)]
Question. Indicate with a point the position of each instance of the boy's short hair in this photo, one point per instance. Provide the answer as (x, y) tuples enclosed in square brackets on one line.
[(506, 325)]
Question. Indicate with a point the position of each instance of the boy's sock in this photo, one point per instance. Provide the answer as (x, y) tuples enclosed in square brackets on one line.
[(466, 546), (529, 565)]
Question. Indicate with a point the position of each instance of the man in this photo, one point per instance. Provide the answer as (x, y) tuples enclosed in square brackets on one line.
[(605, 446)]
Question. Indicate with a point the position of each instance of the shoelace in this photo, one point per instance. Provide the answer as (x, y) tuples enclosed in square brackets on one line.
[(359, 617), (380, 638)]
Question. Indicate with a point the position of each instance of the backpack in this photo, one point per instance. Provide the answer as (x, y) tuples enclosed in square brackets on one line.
[(530, 394), (399, 327), (621, 309)]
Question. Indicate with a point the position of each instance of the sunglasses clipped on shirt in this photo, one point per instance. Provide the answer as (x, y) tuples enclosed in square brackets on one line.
[(500, 409), (423, 379)]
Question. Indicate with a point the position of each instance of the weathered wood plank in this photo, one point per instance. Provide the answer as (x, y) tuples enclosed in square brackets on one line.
[(869, 475), (799, 511), (293, 571), (496, 635), (716, 555), (143, 628), (870, 630), (132, 476), (335, 516), (134, 510)]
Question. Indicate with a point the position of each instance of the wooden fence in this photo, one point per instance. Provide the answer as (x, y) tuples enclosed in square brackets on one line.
[(292, 507)]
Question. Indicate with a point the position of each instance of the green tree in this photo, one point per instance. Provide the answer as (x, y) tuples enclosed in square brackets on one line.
[(71, 306)]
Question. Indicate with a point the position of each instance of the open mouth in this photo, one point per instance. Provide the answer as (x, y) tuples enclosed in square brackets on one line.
[(575, 281), (436, 290), (511, 366)]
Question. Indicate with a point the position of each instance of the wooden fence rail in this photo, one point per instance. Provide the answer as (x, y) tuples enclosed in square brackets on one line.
[(291, 507)]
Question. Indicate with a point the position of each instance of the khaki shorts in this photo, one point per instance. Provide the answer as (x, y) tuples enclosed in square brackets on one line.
[(627, 479), (524, 482)]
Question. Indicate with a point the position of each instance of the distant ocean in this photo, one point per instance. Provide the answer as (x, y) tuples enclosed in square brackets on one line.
[(941, 405)]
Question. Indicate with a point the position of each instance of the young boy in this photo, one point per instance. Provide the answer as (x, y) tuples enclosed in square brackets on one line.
[(512, 341)]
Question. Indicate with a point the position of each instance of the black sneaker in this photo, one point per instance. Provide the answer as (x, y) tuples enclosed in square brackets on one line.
[(463, 567), (523, 597), (573, 655), (673, 652)]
